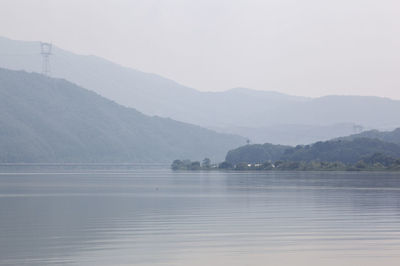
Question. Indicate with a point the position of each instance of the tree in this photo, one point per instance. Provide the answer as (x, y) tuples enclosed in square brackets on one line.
[(267, 166), (206, 164), (177, 165), (225, 165), (242, 166), (195, 166)]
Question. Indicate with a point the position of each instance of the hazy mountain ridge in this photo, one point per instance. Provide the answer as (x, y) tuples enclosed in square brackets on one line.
[(146, 92), (52, 120), (347, 150), (293, 134), (239, 111), (387, 136)]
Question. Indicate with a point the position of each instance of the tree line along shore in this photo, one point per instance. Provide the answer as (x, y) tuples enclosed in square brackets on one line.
[(368, 151), (376, 162)]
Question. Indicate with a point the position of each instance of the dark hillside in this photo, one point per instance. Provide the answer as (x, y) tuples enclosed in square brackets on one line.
[(52, 120)]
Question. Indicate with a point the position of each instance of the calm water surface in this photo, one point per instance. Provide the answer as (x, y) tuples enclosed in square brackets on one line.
[(149, 215)]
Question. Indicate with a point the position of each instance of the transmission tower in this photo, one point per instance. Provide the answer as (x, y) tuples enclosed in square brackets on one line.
[(45, 49)]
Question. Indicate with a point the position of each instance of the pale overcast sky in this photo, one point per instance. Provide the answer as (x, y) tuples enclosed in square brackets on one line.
[(304, 47)]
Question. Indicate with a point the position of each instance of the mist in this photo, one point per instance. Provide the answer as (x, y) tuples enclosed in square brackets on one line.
[(304, 48)]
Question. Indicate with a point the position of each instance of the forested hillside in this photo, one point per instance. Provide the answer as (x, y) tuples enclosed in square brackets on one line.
[(388, 136), (52, 120), (345, 151)]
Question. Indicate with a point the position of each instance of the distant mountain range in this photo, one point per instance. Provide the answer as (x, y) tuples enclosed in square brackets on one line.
[(52, 120), (262, 116), (293, 134), (349, 149)]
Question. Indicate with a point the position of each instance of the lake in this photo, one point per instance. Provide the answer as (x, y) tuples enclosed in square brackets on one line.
[(150, 215)]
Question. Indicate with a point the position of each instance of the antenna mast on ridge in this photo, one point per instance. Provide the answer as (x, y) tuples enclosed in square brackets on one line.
[(45, 49)]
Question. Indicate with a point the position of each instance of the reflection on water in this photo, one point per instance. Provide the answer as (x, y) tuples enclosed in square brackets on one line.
[(149, 215)]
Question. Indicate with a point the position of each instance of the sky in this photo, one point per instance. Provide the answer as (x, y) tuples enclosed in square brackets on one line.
[(300, 47)]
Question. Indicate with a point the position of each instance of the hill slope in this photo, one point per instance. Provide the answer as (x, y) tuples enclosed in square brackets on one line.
[(52, 120), (256, 153), (148, 93), (339, 150), (388, 136), (346, 151), (240, 111)]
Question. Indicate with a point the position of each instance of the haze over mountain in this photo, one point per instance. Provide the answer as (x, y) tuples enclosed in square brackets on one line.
[(261, 116), (293, 134), (52, 120)]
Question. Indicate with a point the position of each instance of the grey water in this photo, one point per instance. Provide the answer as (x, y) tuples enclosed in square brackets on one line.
[(150, 215)]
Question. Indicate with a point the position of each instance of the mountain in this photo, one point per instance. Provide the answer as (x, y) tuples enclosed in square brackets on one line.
[(261, 116), (52, 120), (256, 153), (346, 151), (149, 93), (388, 136), (293, 134), (338, 150)]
